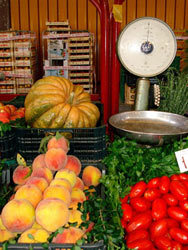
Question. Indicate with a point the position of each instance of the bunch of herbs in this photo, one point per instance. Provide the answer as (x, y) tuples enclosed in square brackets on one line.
[(174, 92)]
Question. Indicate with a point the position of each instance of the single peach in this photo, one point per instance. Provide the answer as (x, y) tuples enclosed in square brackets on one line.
[(21, 174), (91, 176), (18, 215), (52, 213), (68, 175), (34, 235), (29, 192), (39, 161), (44, 172), (39, 182), (61, 142), (69, 235), (78, 195), (55, 159), (79, 183), (61, 182), (73, 164), (58, 192)]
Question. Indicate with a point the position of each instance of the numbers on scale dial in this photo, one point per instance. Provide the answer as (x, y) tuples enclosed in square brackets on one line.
[(147, 47)]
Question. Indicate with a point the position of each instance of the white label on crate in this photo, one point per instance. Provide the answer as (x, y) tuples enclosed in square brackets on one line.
[(182, 159)]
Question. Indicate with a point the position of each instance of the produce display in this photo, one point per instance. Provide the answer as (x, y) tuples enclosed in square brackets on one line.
[(10, 113), (127, 164), (47, 198), (155, 214), (54, 102)]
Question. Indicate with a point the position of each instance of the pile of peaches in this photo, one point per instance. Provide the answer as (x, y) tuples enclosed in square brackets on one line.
[(46, 197), (10, 112)]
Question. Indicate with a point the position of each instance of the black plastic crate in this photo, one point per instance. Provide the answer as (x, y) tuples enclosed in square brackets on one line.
[(88, 144), (8, 145), (51, 246)]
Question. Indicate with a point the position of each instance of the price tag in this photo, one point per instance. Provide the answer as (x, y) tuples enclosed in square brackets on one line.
[(182, 159)]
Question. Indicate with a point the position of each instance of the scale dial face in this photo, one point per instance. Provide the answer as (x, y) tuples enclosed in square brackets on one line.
[(146, 47)]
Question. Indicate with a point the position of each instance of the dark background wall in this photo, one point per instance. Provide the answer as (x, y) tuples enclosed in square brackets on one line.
[(4, 14)]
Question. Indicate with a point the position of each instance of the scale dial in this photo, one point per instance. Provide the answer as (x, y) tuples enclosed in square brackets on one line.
[(146, 47)]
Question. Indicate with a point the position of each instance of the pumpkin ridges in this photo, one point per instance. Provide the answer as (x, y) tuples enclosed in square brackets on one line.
[(38, 94), (40, 106), (86, 119), (78, 89), (46, 119), (83, 97), (69, 86), (62, 116), (32, 114), (72, 119), (81, 122), (93, 107), (89, 113)]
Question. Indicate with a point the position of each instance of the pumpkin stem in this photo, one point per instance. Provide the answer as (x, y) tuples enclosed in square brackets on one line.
[(71, 98)]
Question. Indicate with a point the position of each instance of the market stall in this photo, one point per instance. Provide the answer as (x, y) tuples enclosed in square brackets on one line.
[(74, 172)]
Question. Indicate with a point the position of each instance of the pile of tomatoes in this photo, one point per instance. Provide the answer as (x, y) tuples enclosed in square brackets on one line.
[(155, 214)]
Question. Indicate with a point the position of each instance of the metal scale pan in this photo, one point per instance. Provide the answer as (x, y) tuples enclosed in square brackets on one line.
[(150, 127)]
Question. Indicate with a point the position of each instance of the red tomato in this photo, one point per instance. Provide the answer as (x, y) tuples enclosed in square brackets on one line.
[(140, 204), (164, 184), (127, 211), (154, 182), (170, 199), (163, 243), (138, 189), (4, 119), (184, 205), (158, 228), (159, 209), (184, 224), (179, 235), (152, 193), (12, 108), (185, 182), (171, 222), (177, 213), (174, 177), (183, 176), (179, 190), (176, 245), (140, 221), (136, 235), (124, 199), (142, 244)]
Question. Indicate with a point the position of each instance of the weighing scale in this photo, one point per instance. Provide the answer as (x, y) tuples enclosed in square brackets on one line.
[(146, 47)]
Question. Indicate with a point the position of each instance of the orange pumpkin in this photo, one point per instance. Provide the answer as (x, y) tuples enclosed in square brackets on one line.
[(54, 102)]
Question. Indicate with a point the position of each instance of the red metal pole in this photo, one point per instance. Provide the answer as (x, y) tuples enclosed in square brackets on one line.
[(115, 65), (103, 9)]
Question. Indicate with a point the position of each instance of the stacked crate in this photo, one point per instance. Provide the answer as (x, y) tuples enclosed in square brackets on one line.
[(18, 61), (80, 53), (8, 85), (69, 54)]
